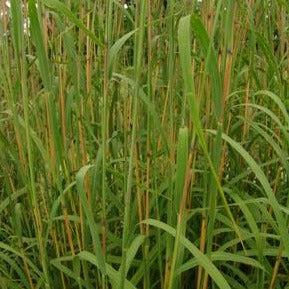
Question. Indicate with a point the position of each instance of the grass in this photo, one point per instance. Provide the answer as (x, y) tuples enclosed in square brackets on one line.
[(144, 146)]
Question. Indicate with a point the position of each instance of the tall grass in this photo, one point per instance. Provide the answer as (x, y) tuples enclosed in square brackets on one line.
[(144, 146)]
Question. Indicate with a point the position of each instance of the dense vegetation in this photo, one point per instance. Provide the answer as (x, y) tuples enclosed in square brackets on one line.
[(144, 144)]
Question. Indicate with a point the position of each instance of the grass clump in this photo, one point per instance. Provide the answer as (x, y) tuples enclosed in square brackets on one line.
[(144, 144)]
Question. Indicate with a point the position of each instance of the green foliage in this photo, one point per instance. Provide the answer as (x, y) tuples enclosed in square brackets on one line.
[(144, 146)]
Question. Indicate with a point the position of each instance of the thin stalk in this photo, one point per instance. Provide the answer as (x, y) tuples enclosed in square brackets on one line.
[(127, 199)]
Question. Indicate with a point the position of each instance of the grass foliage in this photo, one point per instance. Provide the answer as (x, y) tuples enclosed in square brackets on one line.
[(144, 145)]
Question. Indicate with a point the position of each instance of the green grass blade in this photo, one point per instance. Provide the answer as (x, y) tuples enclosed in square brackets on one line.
[(201, 258)]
